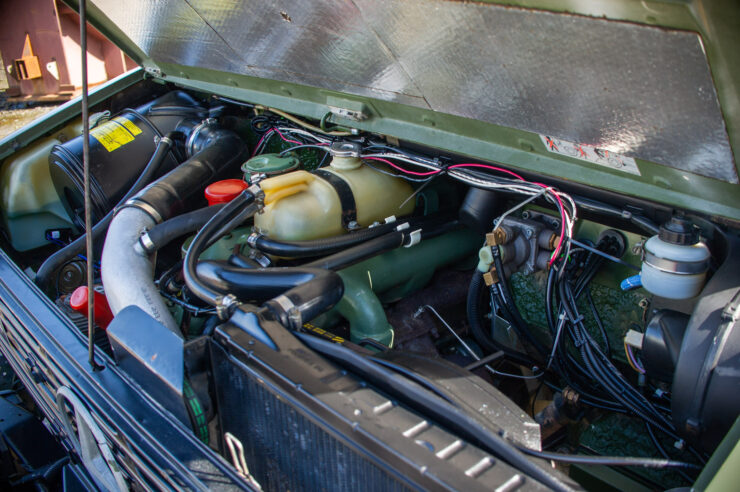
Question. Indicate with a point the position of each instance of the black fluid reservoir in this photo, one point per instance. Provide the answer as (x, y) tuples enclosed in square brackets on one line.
[(119, 150), (479, 209)]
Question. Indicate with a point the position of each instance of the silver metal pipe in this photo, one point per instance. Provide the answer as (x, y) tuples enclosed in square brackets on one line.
[(128, 272)]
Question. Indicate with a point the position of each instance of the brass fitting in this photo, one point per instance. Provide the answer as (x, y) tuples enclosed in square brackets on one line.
[(554, 239), (570, 396), (497, 237), (491, 277)]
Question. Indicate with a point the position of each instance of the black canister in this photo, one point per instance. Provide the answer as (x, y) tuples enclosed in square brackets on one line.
[(120, 148)]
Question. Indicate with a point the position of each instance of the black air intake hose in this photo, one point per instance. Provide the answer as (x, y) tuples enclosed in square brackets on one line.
[(222, 150)]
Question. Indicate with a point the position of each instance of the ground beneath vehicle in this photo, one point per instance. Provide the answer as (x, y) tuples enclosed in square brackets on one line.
[(321, 285)]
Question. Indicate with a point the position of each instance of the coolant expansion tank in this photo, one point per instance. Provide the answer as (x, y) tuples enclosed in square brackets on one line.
[(328, 202)]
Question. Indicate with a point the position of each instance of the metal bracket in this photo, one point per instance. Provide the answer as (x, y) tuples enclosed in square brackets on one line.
[(237, 458)]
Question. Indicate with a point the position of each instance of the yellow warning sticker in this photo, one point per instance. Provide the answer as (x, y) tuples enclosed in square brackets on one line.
[(135, 130), (115, 133)]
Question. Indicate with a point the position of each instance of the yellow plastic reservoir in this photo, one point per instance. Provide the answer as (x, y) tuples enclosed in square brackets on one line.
[(302, 205), (30, 205)]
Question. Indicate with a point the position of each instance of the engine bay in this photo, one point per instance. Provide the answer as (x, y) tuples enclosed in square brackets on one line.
[(554, 326)]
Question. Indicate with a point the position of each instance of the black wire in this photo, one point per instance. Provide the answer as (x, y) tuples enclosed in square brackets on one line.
[(663, 452), (603, 371), (325, 148), (233, 101), (609, 460), (190, 308), (516, 319), (586, 399), (597, 319)]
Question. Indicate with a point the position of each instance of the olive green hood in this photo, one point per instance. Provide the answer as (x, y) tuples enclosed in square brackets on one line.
[(640, 98)]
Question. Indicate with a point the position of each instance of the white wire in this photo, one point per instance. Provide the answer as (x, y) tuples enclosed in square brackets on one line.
[(306, 133), (517, 207), (567, 210)]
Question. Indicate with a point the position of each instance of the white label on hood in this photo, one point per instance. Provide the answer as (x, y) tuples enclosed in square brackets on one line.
[(590, 153)]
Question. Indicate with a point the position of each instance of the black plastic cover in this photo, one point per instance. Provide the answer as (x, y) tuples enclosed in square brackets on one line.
[(706, 400)]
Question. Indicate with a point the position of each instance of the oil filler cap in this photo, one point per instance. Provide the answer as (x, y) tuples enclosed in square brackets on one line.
[(224, 191)]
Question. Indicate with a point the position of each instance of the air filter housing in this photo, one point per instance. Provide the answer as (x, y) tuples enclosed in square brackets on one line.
[(120, 148)]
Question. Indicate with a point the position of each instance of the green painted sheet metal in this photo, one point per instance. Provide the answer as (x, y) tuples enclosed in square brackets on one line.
[(722, 472), (474, 139), (716, 21)]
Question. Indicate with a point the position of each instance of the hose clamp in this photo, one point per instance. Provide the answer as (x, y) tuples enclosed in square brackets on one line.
[(144, 207), (192, 146), (252, 239), (263, 260), (414, 238), (226, 306), (258, 194), (146, 242), (295, 319), (165, 140), (677, 267)]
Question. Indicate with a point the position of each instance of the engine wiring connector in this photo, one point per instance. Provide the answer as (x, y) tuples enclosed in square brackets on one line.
[(485, 259)]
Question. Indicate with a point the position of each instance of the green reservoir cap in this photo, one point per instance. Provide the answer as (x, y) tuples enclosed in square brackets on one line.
[(270, 164)]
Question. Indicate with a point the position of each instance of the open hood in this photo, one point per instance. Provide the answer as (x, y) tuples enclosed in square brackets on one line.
[(390, 244), (641, 99)]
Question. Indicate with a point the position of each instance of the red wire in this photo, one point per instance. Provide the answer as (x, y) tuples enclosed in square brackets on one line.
[(266, 135), (561, 208), (269, 134), (492, 168), (413, 173), (286, 139)]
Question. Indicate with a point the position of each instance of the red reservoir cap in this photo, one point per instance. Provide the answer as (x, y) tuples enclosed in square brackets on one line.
[(103, 314), (224, 191)]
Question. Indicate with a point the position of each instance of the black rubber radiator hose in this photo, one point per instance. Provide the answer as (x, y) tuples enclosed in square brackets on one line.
[(381, 244), (261, 284), (164, 233), (298, 293), (254, 284), (318, 247), (329, 245)]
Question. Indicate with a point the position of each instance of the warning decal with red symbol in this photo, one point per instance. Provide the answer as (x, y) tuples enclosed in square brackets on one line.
[(590, 153)]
